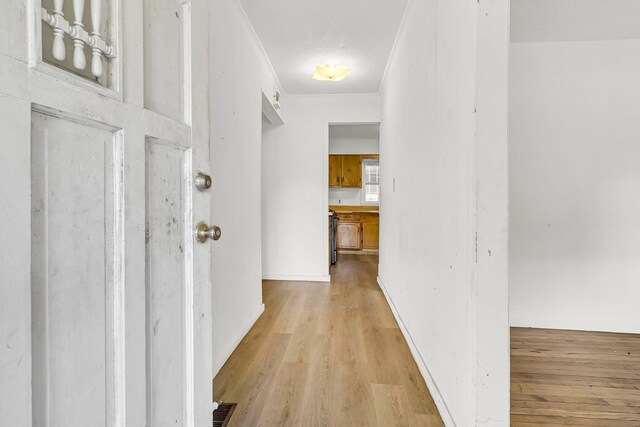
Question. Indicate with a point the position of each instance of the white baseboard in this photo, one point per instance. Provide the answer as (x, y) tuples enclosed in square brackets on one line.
[(294, 278), (424, 370), (230, 348)]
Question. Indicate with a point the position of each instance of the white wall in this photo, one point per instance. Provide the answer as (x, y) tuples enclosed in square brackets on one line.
[(354, 146), (443, 252), (295, 188), (239, 70), (350, 196), (347, 197), (574, 163)]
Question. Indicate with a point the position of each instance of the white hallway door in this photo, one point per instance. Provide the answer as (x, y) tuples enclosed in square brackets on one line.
[(105, 294)]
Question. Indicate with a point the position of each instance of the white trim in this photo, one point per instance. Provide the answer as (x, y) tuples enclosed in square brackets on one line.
[(190, 293), (231, 347), (119, 279), (187, 64), (189, 290), (256, 39), (294, 278), (424, 370), (393, 47)]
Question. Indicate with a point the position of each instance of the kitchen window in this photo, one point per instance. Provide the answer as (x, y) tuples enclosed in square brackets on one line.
[(371, 181)]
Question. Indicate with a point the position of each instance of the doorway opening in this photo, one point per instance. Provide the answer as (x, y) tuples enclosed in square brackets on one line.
[(574, 242), (353, 189)]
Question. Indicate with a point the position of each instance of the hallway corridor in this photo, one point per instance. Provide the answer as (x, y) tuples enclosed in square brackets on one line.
[(326, 355)]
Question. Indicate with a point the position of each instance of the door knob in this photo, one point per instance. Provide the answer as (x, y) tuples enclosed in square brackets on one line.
[(204, 232), (202, 182)]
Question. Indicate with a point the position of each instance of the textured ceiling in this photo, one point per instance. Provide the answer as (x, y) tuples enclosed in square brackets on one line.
[(300, 34), (574, 20)]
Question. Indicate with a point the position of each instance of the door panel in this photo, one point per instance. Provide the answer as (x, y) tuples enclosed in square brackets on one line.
[(73, 281), (165, 284), (351, 171), (349, 236), (163, 37), (335, 171), (370, 233)]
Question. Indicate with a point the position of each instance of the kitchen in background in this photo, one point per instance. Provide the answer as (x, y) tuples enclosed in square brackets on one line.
[(354, 189)]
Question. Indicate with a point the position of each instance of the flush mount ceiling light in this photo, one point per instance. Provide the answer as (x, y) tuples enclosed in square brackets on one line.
[(330, 73)]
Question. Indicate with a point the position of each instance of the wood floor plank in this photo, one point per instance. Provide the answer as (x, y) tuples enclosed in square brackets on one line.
[(393, 408), (263, 369), (326, 355), (424, 420), (286, 395), (574, 378)]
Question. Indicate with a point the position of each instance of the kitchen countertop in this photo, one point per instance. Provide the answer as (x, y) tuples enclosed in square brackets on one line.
[(355, 209)]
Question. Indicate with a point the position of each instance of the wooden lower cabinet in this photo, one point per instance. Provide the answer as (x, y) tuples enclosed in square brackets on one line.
[(358, 231), (349, 235), (370, 235)]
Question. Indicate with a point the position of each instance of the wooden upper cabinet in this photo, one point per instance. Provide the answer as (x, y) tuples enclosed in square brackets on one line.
[(335, 171), (351, 171), (345, 170)]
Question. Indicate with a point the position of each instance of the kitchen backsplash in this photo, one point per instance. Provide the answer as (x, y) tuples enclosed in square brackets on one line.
[(346, 196)]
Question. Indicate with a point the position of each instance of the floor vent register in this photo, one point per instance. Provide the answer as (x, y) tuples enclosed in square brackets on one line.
[(222, 415)]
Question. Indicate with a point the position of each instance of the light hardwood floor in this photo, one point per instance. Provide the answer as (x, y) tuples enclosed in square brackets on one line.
[(326, 355), (574, 378)]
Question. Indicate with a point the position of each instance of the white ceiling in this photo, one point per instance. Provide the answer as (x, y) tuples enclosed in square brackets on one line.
[(356, 131), (300, 34), (574, 20)]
